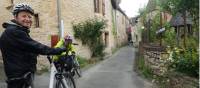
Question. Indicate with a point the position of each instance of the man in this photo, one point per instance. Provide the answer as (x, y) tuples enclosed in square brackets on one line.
[(65, 57), (19, 50)]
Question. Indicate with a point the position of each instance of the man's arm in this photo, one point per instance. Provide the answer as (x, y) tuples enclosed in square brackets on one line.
[(24, 42)]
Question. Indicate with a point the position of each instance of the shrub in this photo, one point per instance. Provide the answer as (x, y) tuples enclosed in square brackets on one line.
[(89, 33), (186, 62)]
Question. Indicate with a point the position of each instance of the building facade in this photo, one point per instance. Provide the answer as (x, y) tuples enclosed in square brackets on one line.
[(50, 14)]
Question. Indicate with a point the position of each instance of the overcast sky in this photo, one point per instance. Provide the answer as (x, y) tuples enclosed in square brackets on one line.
[(131, 7)]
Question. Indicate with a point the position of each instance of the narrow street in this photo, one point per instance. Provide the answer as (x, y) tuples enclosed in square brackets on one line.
[(162, 38), (115, 72)]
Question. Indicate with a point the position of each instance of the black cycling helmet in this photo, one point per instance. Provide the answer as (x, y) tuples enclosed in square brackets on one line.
[(22, 7)]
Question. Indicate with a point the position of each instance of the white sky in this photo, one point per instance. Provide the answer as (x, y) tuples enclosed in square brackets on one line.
[(131, 7)]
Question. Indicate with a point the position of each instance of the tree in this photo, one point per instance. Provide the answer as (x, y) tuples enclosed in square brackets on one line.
[(183, 6), (175, 6)]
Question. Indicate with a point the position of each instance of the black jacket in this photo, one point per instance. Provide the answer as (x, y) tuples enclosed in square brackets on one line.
[(20, 51)]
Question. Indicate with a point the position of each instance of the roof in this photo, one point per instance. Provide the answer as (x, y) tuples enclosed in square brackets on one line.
[(115, 5), (134, 20), (179, 21)]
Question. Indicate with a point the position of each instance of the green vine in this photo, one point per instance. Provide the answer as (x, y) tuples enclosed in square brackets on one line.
[(113, 24), (89, 33)]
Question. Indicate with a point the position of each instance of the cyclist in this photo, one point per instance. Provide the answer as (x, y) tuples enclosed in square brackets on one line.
[(66, 57), (19, 50)]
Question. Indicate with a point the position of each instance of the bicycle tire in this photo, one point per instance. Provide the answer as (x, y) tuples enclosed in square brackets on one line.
[(59, 84), (78, 71), (77, 68), (70, 80)]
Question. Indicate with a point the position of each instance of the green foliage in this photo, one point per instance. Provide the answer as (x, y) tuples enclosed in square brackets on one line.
[(143, 14), (192, 42), (155, 25), (169, 36), (89, 33), (113, 24), (146, 71), (175, 6), (82, 61), (186, 61)]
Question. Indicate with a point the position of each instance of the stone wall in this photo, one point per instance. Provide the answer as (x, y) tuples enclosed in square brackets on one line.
[(121, 29), (155, 57), (71, 11)]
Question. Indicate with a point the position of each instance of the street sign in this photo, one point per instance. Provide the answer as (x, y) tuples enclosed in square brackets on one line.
[(160, 31)]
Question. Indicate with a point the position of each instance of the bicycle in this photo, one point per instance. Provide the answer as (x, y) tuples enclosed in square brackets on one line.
[(63, 79), (76, 66)]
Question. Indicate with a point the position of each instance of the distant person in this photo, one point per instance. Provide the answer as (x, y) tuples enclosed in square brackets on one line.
[(66, 57)]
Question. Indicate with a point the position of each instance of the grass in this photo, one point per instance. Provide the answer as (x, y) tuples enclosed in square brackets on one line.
[(82, 61), (144, 69)]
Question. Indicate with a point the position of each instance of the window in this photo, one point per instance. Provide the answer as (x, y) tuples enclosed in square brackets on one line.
[(96, 6), (99, 6), (37, 23)]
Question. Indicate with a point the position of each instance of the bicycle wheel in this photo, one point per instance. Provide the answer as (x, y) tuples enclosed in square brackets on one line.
[(60, 84), (78, 71), (77, 68), (70, 80)]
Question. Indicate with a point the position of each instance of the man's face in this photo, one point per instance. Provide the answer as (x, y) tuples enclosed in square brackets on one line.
[(24, 18)]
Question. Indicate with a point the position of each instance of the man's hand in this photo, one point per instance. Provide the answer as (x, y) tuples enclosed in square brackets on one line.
[(60, 50)]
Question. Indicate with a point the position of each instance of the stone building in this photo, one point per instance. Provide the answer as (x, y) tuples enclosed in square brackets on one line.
[(50, 14), (136, 27)]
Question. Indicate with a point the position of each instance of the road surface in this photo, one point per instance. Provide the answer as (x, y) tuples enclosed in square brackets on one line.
[(114, 72)]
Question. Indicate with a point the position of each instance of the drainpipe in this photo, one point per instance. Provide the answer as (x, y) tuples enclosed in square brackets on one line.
[(61, 29), (53, 69), (59, 18)]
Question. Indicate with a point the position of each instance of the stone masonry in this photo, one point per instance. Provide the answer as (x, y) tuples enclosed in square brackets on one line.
[(71, 11)]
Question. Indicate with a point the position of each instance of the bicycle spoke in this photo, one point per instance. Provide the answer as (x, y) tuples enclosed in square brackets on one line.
[(70, 80)]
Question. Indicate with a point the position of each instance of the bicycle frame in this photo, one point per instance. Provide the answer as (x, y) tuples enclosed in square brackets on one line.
[(56, 73), (52, 75)]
